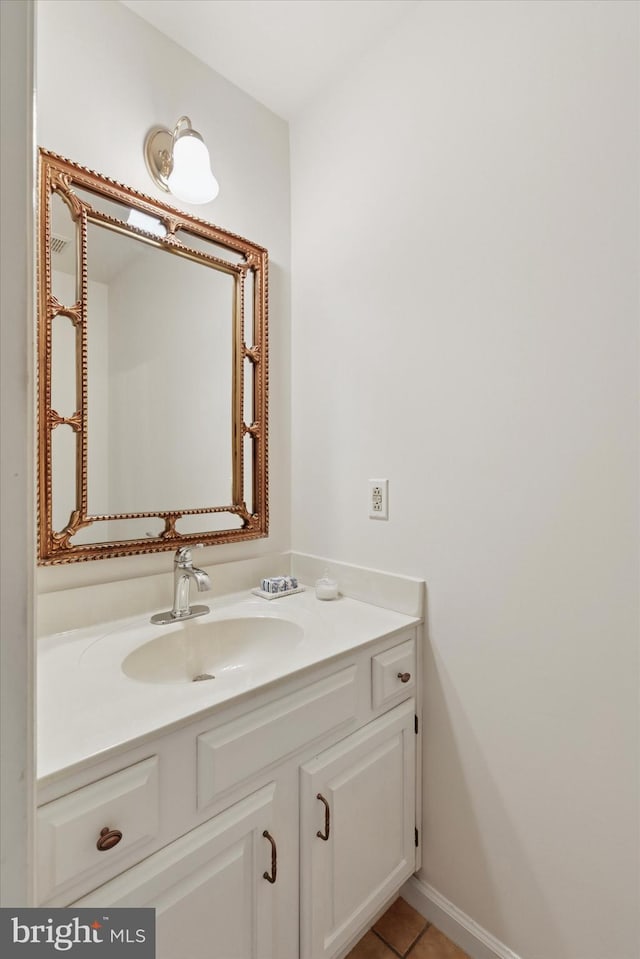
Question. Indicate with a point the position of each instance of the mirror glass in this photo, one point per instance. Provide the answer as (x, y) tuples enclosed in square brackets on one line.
[(149, 387), (160, 378)]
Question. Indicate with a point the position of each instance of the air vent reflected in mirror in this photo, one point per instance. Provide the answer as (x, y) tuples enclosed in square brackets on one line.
[(59, 243)]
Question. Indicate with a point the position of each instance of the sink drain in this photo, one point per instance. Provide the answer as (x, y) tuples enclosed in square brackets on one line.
[(201, 677)]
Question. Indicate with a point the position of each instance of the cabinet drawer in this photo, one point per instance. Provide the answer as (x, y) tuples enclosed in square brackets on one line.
[(393, 673), (239, 749), (69, 828)]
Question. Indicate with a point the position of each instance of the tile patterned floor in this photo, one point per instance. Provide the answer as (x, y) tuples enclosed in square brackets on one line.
[(402, 932)]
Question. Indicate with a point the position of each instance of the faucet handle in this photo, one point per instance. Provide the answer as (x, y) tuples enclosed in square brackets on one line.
[(183, 554)]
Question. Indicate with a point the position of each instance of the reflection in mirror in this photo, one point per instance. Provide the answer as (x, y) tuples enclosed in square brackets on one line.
[(142, 221), (165, 368), (248, 485), (63, 455), (206, 522), (115, 530), (64, 253), (151, 371), (250, 331), (204, 245), (248, 411), (104, 204), (64, 399)]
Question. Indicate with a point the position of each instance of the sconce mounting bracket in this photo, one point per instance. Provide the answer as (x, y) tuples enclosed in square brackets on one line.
[(158, 146)]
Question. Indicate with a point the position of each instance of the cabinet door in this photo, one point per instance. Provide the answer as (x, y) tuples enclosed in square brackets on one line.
[(209, 889), (357, 830)]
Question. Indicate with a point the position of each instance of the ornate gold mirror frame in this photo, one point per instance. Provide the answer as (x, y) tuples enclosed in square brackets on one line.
[(84, 194)]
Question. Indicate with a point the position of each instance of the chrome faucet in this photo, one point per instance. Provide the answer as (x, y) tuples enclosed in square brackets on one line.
[(183, 572)]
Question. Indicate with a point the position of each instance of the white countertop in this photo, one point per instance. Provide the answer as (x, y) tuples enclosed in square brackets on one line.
[(87, 706)]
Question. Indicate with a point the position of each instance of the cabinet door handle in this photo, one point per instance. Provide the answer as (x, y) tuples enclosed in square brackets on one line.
[(274, 858), (108, 839), (404, 677), (327, 819)]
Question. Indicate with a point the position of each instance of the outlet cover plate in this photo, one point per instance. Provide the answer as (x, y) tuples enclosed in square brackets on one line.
[(378, 499)]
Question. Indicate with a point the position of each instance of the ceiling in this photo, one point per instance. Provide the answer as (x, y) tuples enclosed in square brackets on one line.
[(281, 52)]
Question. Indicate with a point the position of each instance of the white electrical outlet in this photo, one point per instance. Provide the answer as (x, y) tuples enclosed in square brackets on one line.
[(378, 499)]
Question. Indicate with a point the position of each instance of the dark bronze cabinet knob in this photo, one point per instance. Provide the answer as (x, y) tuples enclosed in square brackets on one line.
[(108, 839), (404, 677)]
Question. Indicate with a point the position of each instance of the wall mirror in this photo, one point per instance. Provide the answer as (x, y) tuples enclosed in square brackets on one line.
[(152, 373)]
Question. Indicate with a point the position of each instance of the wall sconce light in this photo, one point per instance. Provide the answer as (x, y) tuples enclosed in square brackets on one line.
[(179, 163)]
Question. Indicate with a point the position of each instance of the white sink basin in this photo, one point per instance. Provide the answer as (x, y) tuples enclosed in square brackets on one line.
[(213, 650)]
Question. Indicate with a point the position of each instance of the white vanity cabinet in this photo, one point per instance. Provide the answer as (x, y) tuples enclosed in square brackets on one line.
[(357, 838), (212, 889), (281, 826)]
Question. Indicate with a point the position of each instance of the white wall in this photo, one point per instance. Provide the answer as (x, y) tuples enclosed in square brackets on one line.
[(465, 304), (16, 497), (105, 77)]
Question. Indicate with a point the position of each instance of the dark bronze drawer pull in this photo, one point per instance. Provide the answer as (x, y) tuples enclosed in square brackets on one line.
[(274, 858), (404, 677), (108, 839), (327, 819)]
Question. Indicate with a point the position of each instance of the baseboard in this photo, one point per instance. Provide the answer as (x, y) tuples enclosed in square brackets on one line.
[(455, 924)]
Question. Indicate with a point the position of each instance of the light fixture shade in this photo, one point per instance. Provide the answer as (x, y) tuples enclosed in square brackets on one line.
[(191, 179)]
